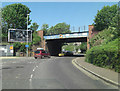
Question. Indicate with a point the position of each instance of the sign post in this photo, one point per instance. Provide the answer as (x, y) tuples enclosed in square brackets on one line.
[(27, 34), (26, 46)]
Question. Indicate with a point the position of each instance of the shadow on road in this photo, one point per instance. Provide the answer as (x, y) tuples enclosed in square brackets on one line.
[(75, 55), (80, 55)]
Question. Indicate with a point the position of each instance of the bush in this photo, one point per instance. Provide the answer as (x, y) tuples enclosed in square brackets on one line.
[(104, 37), (83, 46), (105, 55)]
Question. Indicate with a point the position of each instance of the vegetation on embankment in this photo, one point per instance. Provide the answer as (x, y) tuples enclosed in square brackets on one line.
[(104, 37), (105, 55), (104, 50)]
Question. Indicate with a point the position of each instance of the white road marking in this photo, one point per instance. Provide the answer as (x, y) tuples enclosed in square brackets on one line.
[(17, 77), (34, 69), (31, 76)]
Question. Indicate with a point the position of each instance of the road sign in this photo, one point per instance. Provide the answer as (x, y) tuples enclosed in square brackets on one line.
[(19, 35), (26, 45), (11, 47)]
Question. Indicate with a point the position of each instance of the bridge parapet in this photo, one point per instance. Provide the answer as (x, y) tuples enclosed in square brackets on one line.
[(68, 35)]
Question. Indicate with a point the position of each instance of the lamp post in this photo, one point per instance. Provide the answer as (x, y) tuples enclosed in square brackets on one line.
[(27, 34)]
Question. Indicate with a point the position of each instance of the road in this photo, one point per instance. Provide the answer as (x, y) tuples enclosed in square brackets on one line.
[(47, 73)]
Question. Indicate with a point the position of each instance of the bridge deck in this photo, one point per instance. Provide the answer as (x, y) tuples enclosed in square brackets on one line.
[(70, 35)]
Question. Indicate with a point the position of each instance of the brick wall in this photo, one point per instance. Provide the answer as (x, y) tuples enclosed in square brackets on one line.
[(40, 33), (92, 32)]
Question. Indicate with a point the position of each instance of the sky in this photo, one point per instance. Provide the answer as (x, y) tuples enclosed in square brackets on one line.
[(77, 14)]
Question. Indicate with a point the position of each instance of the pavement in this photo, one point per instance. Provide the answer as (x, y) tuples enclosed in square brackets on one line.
[(105, 74)]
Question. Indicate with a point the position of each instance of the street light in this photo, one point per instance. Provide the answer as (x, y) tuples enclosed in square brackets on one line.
[(27, 34)]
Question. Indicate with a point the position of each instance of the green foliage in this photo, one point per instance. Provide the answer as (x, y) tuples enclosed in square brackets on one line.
[(36, 38), (104, 45), (34, 26), (45, 28), (4, 34), (22, 47), (115, 19), (104, 36), (17, 45), (105, 55), (105, 16), (59, 28), (69, 47), (83, 46), (15, 15)]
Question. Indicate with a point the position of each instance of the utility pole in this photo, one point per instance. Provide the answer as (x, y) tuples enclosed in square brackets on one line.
[(79, 29), (27, 34), (73, 28), (84, 28)]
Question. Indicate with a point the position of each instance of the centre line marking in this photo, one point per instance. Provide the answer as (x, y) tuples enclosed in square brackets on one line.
[(31, 76), (34, 69)]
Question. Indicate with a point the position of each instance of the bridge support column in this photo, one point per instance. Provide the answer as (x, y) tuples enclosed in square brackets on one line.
[(88, 45), (92, 32)]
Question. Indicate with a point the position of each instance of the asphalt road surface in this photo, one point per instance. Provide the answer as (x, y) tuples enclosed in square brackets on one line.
[(47, 73)]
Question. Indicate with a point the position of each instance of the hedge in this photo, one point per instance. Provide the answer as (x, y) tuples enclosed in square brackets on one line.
[(105, 56)]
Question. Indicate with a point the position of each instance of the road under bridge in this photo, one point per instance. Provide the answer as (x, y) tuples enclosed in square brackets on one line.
[(54, 43)]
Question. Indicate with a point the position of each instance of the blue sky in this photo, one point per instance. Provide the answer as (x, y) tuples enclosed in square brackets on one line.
[(76, 14)]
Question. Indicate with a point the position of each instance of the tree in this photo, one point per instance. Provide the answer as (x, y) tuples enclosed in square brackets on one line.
[(34, 26), (45, 28), (59, 28), (4, 30), (36, 38), (105, 16), (14, 16), (50, 30), (116, 21)]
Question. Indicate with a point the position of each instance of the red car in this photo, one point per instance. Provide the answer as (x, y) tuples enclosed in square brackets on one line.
[(41, 54)]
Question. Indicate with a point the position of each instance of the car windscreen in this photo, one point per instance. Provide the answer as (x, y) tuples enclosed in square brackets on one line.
[(37, 52)]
